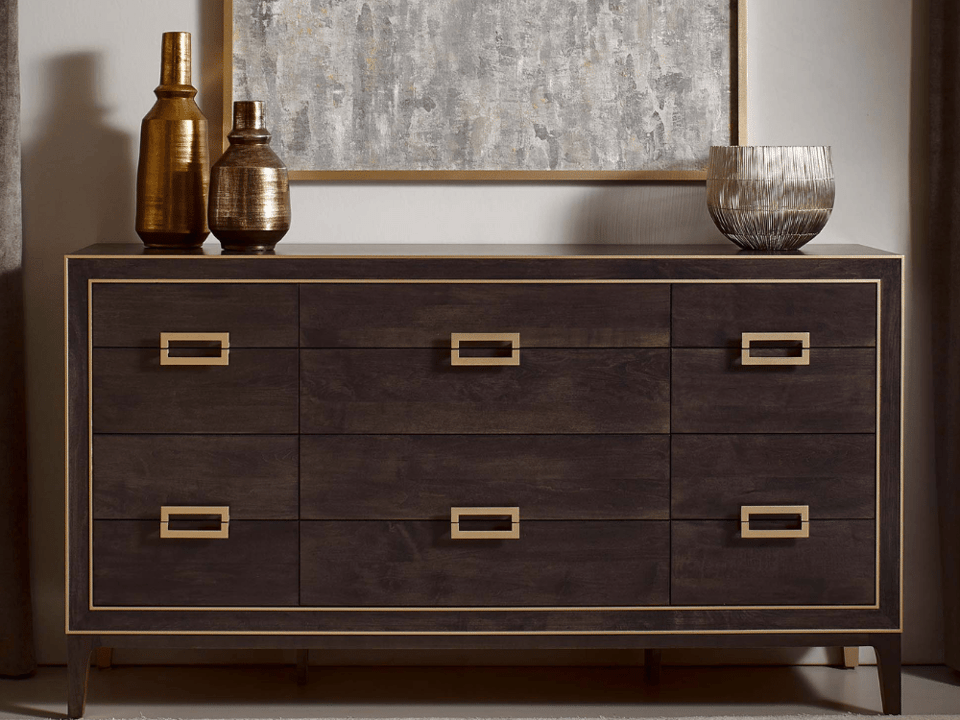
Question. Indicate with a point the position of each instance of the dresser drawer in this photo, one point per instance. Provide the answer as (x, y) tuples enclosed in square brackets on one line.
[(715, 314), (549, 477), (418, 564), (714, 565), (423, 315), (255, 393), (714, 475), (256, 476), (550, 391), (713, 392), (255, 565), (254, 315)]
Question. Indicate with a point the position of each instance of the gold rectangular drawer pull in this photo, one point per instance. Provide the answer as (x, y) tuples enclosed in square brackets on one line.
[(750, 337), (747, 512), (512, 534), (216, 337), (222, 510), (457, 338)]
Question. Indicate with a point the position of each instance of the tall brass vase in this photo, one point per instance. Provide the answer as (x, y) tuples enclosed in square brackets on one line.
[(173, 175), (249, 189)]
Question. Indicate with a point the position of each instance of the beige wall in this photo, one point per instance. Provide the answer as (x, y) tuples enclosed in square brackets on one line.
[(835, 72)]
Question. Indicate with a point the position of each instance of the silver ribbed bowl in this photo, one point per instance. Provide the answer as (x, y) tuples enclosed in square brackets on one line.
[(770, 198)]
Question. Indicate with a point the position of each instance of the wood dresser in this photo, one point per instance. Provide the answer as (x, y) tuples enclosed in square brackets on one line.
[(484, 447)]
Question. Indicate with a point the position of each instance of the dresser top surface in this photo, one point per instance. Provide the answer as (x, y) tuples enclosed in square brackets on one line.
[(211, 249)]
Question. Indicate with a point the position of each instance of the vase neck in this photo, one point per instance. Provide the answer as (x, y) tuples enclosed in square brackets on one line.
[(175, 61), (249, 123)]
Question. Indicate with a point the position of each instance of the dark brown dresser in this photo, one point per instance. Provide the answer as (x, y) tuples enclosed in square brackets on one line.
[(484, 447)]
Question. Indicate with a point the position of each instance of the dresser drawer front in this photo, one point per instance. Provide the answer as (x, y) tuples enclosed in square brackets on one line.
[(714, 393), (255, 566), (418, 391), (255, 476), (714, 565), (417, 564), (423, 315), (714, 475), (549, 477), (715, 314), (255, 315), (256, 393)]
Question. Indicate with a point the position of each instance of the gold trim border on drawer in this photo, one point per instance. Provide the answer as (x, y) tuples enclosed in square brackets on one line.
[(748, 511), (876, 282), (512, 512), (750, 337), (457, 338), (222, 510), (215, 337)]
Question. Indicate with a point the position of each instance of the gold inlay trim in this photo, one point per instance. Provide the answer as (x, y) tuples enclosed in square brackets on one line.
[(748, 338), (456, 533), (480, 633), (167, 533), (748, 511), (457, 338), (873, 281), (223, 338)]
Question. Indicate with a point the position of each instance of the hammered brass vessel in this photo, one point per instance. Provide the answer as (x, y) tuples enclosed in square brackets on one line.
[(249, 188), (173, 174)]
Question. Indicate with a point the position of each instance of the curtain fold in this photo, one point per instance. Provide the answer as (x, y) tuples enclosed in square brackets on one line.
[(16, 626), (945, 283)]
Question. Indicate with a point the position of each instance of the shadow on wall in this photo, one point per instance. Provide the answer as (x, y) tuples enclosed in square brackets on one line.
[(646, 213), (78, 188)]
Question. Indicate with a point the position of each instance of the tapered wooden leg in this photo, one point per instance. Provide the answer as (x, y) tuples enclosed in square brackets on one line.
[(79, 650), (104, 658), (651, 665), (888, 668), (303, 657), (851, 657)]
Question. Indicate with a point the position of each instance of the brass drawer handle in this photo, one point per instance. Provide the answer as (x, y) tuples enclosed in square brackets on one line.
[(749, 337), (512, 338), (457, 534), (748, 511), (167, 337), (222, 510)]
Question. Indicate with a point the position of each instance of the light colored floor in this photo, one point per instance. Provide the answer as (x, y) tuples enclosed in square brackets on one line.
[(474, 692)]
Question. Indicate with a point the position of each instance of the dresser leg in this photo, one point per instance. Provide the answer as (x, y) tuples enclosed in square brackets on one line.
[(303, 658), (851, 657), (651, 665), (887, 648), (79, 650), (104, 658)]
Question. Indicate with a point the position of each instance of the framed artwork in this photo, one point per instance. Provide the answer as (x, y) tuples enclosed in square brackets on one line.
[(506, 90)]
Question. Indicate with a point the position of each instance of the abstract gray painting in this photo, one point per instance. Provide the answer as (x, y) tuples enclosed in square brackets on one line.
[(488, 85)]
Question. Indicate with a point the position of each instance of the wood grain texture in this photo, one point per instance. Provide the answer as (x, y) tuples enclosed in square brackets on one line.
[(713, 565), (835, 314), (422, 476), (422, 316), (256, 393), (417, 563), (713, 475), (551, 391), (256, 476), (256, 565), (714, 393), (134, 314)]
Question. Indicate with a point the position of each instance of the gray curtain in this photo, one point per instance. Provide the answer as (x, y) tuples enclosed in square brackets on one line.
[(945, 283), (16, 627)]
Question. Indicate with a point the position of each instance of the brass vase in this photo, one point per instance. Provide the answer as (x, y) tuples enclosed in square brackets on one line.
[(249, 189), (173, 174)]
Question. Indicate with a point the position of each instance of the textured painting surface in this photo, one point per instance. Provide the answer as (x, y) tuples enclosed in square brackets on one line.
[(587, 85)]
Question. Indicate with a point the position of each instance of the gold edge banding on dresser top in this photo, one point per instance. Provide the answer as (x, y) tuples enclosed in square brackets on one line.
[(874, 281)]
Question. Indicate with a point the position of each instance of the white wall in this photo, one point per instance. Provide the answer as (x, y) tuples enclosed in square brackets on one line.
[(834, 72)]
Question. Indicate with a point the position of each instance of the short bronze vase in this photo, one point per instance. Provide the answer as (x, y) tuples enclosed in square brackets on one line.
[(174, 168), (249, 189)]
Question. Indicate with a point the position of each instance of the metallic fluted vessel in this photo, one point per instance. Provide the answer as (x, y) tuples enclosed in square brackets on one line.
[(249, 189), (173, 174), (770, 198)]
